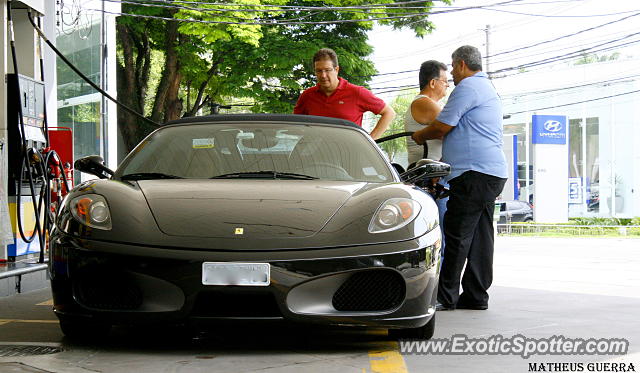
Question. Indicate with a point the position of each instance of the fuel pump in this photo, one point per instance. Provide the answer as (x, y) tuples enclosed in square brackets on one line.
[(25, 186), (35, 170)]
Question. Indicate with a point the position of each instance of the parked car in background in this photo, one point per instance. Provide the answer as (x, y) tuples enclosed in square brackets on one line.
[(515, 211)]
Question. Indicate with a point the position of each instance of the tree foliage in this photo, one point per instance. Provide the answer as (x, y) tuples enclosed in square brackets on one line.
[(228, 55), (594, 57), (400, 104)]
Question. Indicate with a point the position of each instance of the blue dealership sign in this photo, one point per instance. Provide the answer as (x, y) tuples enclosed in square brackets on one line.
[(549, 129)]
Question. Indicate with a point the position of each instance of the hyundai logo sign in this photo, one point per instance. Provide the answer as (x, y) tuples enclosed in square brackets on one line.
[(552, 125), (549, 129)]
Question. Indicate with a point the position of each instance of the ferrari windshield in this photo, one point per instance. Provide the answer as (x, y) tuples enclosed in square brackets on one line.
[(256, 150)]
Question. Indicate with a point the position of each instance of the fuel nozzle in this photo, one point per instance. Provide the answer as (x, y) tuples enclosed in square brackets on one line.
[(35, 161)]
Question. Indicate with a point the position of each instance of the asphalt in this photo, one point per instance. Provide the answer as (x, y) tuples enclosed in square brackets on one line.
[(571, 288)]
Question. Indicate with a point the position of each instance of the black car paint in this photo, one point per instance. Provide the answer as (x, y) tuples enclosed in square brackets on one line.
[(170, 279), (135, 219), (151, 246)]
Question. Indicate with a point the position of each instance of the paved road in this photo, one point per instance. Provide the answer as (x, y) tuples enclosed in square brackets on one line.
[(577, 288)]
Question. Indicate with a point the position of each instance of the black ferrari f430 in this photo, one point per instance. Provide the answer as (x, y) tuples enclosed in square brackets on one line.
[(266, 216)]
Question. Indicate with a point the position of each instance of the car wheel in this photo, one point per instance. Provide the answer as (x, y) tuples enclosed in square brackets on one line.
[(84, 330), (423, 332), (527, 220)]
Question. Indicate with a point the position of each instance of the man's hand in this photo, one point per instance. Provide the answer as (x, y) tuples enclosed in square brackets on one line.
[(435, 130), (417, 138)]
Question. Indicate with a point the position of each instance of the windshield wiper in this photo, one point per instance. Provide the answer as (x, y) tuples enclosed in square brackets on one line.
[(148, 176), (264, 174), (293, 175)]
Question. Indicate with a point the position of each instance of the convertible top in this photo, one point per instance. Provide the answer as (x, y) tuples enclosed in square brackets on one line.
[(294, 118)]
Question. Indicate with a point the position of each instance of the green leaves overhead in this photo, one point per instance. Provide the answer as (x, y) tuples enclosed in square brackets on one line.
[(256, 52), (222, 22)]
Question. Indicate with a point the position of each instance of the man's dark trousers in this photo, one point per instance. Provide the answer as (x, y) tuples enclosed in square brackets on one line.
[(468, 231)]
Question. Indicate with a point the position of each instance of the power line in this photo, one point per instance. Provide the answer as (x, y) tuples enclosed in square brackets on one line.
[(290, 7), (288, 22), (564, 36), (576, 103), (622, 79), (546, 61), (561, 16), (506, 26), (558, 58), (263, 23), (573, 54), (274, 9), (562, 47)]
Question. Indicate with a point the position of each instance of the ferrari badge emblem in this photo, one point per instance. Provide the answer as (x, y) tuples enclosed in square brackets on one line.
[(239, 230)]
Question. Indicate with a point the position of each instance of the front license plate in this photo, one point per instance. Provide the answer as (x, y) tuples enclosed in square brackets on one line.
[(239, 274)]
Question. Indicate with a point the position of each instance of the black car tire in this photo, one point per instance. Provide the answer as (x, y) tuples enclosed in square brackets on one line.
[(84, 330), (424, 332)]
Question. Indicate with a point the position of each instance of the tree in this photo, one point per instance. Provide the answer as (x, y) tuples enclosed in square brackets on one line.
[(587, 58), (400, 104), (266, 64)]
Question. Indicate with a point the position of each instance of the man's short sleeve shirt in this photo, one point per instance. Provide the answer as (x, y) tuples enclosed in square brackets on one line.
[(475, 142), (349, 101)]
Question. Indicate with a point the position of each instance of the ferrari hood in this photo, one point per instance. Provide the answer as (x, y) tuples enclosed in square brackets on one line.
[(250, 208)]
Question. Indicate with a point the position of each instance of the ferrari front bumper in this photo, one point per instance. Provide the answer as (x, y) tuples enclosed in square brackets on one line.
[(391, 285)]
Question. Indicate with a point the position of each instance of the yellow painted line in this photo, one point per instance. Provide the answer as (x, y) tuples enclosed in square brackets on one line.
[(387, 359), (4, 321), (46, 303), (380, 332)]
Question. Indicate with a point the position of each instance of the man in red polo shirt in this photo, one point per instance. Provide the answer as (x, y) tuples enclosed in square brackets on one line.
[(337, 98)]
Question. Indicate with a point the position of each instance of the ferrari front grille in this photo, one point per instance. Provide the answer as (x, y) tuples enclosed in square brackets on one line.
[(373, 290)]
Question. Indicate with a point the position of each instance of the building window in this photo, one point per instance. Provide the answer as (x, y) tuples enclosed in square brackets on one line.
[(584, 159), (78, 103)]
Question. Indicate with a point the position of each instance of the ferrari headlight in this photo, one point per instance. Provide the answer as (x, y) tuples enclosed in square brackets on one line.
[(91, 210), (393, 214)]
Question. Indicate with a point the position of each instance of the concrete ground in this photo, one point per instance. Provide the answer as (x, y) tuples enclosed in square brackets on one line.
[(543, 287)]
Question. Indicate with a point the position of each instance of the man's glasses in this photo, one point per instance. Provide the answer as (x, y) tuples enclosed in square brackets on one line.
[(324, 71)]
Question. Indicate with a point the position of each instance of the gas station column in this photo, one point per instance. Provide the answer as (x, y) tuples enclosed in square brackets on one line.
[(550, 168)]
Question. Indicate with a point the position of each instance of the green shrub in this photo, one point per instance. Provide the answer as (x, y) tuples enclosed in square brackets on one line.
[(605, 221)]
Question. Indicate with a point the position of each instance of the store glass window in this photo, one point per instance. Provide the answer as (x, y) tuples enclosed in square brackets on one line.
[(584, 159), (78, 103)]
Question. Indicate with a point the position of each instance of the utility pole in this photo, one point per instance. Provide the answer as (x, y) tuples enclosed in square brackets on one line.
[(486, 56)]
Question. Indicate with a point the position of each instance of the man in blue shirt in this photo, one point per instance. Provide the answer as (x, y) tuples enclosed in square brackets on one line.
[(471, 127)]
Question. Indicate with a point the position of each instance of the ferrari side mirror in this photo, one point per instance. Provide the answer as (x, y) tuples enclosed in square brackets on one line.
[(426, 168), (94, 165)]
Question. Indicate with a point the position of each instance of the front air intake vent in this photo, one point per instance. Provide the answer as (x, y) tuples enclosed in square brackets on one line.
[(107, 291), (374, 290)]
